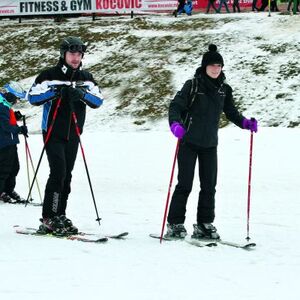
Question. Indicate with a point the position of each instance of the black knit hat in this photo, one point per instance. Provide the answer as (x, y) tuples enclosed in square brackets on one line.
[(212, 57)]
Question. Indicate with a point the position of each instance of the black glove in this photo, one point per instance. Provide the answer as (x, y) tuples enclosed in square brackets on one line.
[(64, 92), (23, 130), (75, 94), (18, 115), (10, 97)]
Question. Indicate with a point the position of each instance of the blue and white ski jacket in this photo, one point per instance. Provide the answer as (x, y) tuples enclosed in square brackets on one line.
[(46, 90)]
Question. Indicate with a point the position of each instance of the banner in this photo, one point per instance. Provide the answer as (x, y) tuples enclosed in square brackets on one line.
[(54, 7)]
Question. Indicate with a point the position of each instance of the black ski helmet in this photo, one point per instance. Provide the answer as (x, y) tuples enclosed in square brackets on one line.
[(72, 44)]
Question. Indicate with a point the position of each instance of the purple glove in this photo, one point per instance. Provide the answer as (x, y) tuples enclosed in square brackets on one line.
[(178, 130), (250, 124)]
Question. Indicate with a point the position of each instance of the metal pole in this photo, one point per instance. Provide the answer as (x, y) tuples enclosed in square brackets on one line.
[(85, 163)]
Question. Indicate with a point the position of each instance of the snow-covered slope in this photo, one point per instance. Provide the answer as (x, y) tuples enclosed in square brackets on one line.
[(130, 174), (140, 63)]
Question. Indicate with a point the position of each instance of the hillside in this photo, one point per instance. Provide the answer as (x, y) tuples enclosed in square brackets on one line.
[(140, 63)]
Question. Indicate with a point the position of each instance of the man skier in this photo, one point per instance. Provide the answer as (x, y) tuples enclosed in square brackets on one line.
[(9, 160), (73, 88), (194, 116)]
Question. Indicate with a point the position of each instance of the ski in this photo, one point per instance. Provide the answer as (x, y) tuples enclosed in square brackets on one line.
[(64, 237), (246, 246), (156, 236), (199, 243), (22, 202), (209, 243), (118, 236), (191, 241)]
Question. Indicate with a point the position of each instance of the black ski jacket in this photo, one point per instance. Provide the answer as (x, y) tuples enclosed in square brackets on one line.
[(201, 114), (46, 90)]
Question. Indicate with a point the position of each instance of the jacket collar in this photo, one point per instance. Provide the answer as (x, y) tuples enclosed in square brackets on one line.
[(67, 70)]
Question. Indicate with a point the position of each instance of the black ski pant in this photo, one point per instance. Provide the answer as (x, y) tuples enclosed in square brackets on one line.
[(236, 6), (207, 161), (61, 157), (209, 4), (9, 168)]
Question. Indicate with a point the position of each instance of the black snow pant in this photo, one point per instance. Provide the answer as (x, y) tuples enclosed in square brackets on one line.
[(180, 7), (236, 6), (9, 168), (209, 4), (264, 4), (61, 157), (207, 161)]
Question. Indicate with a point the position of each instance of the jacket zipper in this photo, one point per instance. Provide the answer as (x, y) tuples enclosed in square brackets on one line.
[(189, 124), (70, 119)]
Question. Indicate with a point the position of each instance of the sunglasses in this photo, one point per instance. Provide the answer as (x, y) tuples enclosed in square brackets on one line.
[(76, 48)]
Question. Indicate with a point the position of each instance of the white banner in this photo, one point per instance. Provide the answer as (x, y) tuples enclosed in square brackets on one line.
[(53, 7)]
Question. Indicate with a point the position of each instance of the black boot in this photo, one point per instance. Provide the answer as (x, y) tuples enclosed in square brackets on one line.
[(176, 231), (70, 228), (5, 198), (15, 196), (52, 225), (205, 231)]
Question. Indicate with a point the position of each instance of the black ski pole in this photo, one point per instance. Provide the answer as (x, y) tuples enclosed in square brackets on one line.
[(84, 159), (44, 147)]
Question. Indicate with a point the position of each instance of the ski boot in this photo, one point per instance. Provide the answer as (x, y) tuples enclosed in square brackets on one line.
[(52, 225), (69, 227), (175, 231), (5, 198), (16, 197), (205, 231)]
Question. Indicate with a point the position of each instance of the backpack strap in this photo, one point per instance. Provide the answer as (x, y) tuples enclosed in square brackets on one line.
[(193, 92)]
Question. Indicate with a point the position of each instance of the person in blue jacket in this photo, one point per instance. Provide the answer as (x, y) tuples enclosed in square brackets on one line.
[(9, 161), (73, 88)]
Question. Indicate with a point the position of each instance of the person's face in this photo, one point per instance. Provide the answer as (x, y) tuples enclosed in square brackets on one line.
[(214, 70), (73, 59)]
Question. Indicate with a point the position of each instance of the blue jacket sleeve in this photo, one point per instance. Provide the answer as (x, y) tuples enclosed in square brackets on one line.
[(40, 93), (93, 97)]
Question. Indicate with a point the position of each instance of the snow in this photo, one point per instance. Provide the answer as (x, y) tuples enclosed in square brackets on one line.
[(130, 173)]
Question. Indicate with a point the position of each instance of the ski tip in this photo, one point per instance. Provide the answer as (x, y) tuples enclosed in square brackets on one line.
[(119, 236), (157, 236)]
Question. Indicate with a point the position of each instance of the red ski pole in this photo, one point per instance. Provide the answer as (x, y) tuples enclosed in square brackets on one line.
[(249, 186), (169, 191), (44, 147)]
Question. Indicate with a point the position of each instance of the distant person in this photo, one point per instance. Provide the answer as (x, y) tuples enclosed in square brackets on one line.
[(211, 3), (254, 7), (188, 7), (75, 88), (180, 8), (9, 160), (264, 4), (223, 2), (194, 116), (236, 6), (290, 4), (273, 6)]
